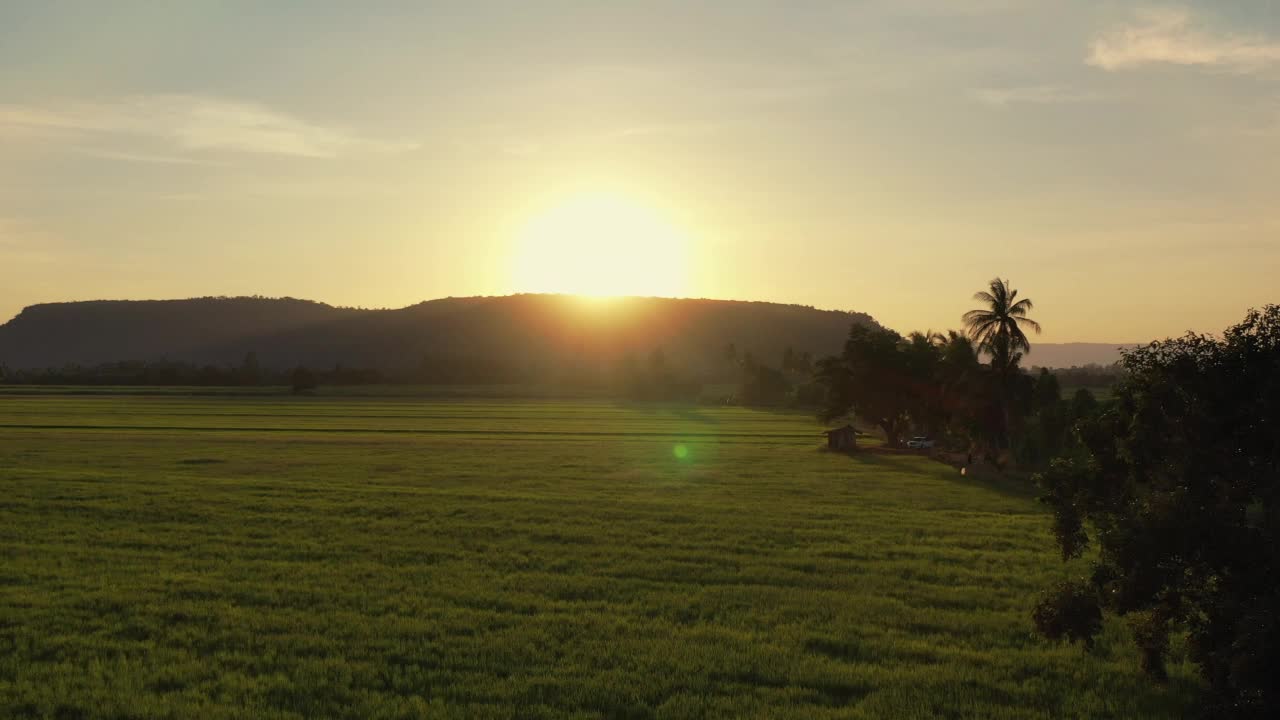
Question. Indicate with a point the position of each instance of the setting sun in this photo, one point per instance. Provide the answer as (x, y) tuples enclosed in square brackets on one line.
[(600, 244)]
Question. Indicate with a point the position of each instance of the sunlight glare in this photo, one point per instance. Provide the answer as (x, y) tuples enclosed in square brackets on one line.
[(600, 244)]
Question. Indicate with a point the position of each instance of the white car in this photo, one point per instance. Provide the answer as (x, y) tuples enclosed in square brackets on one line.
[(920, 442)]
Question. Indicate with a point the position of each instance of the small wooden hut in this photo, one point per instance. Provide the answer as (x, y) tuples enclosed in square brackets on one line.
[(842, 438)]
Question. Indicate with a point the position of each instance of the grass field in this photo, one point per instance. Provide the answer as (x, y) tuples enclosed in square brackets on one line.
[(277, 557)]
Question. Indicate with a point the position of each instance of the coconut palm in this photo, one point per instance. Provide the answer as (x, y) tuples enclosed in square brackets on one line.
[(998, 327), (998, 330)]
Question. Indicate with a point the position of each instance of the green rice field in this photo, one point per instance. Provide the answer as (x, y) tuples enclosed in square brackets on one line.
[(176, 555)]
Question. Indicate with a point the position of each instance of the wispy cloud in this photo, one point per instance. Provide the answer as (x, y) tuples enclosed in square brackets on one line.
[(142, 157), (1033, 95), (1171, 36), (188, 123)]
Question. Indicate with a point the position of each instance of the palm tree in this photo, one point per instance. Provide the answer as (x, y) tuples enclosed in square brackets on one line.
[(997, 328)]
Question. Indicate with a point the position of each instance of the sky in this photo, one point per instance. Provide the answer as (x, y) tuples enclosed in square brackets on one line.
[(1118, 162)]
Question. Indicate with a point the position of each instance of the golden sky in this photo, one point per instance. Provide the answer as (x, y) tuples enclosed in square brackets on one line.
[(1117, 162)]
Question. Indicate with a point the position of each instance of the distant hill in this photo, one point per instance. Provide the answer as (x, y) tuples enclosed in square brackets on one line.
[(525, 331), (1064, 355)]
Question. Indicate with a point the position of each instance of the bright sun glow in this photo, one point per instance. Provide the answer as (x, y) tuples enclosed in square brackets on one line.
[(601, 244)]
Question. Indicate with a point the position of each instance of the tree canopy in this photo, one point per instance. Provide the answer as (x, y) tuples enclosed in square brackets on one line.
[(927, 381), (1178, 485)]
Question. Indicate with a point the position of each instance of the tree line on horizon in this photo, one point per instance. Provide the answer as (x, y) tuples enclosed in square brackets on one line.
[(937, 384)]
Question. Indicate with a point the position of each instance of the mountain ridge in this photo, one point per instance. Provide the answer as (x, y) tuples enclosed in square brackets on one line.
[(537, 329), (544, 329)]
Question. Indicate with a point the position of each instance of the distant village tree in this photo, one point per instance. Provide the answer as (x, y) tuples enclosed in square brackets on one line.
[(804, 363), (250, 370), (1083, 403), (658, 360), (303, 380), (764, 386)]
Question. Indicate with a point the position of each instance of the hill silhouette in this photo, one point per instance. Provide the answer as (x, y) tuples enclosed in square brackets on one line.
[(535, 333), (1064, 355)]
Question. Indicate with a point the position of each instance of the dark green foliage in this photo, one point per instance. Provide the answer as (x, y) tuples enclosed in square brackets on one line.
[(1179, 486), (871, 380), (1047, 392), (811, 394), (928, 382), (1083, 404), (1069, 612)]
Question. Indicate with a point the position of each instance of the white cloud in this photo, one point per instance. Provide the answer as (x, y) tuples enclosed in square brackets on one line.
[(1170, 36), (1033, 95), (188, 122)]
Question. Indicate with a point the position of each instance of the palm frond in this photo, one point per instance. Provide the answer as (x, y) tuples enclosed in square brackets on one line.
[(997, 327), (1021, 307)]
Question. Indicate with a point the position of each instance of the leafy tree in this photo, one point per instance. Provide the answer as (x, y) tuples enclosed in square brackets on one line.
[(1043, 429), (1047, 392), (921, 362), (869, 379), (1083, 404), (966, 388), (1180, 488)]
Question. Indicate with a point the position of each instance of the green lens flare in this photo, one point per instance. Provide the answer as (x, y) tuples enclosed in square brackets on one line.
[(681, 452)]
